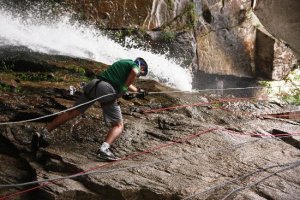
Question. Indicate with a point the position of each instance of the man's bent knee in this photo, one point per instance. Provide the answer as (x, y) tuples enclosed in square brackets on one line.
[(118, 125)]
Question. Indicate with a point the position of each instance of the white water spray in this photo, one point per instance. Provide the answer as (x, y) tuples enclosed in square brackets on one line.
[(76, 40)]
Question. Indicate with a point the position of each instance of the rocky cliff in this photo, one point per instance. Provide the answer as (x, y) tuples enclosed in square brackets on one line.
[(215, 39), (281, 18), (199, 145), (174, 146), (220, 39)]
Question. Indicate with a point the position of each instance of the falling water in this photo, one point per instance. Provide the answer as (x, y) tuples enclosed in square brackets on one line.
[(63, 36)]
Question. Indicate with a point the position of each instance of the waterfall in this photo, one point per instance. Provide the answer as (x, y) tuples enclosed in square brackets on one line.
[(63, 36)]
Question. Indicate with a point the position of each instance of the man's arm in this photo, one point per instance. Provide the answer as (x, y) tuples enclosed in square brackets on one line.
[(131, 77)]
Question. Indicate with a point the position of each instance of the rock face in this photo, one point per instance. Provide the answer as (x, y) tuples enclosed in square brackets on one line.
[(213, 38), (174, 146), (273, 59), (225, 38), (118, 14), (230, 42), (281, 19)]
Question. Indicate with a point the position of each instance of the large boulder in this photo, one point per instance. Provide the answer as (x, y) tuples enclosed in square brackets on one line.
[(274, 60), (281, 19), (225, 38)]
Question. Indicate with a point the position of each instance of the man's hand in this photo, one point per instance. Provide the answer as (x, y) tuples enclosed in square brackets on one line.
[(141, 93), (128, 96)]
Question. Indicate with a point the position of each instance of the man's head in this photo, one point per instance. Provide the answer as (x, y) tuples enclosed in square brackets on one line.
[(142, 65)]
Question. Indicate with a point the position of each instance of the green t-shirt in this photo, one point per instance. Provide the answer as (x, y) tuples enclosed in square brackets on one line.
[(118, 72)]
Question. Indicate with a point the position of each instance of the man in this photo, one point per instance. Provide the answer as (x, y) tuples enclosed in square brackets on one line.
[(111, 84)]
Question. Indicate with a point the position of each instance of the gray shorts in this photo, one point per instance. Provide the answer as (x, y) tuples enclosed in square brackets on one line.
[(110, 107)]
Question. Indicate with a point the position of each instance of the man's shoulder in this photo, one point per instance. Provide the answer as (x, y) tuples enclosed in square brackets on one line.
[(125, 62)]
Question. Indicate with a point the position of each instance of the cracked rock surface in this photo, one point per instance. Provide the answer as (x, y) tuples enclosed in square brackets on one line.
[(208, 149)]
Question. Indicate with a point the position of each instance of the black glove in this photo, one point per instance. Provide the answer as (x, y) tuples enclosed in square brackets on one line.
[(128, 96), (141, 93)]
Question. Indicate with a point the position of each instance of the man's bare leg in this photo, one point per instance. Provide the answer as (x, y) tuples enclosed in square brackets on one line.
[(40, 139), (114, 132), (62, 118), (104, 151)]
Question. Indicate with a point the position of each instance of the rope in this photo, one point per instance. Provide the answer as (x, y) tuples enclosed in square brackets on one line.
[(120, 169), (197, 104), (163, 92), (89, 172), (94, 170), (293, 165), (53, 114), (262, 134), (218, 89), (147, 151), (240, 178), (125, 158)]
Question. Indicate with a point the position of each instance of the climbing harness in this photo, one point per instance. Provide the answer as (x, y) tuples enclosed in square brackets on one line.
[(88, 94)]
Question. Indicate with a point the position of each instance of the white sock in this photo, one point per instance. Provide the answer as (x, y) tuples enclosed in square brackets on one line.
[(104, 146)]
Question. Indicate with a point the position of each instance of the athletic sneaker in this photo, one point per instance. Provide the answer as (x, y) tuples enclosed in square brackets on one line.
[(106, 155), (39, 139)]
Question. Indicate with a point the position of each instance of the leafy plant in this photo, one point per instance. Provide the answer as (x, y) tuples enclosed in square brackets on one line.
[(80, 70), (6, 67), (190, 11), (287, 90), (170, 3), (8, 88), (168, 35), (35, 77)]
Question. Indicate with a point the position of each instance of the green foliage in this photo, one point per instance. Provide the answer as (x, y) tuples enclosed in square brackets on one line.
[(6, 67), (80, 70), (119, 34), (170, 3), (292, 99), (287, 90), (76, 69), (5, 87), (35, 77), (190, 11), (168, 35), (8, 88), (265, 83)]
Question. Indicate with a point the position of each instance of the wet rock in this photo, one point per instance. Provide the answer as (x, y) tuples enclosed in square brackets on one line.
[(186, 149)]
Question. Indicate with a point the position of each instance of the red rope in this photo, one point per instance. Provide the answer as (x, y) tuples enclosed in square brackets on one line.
[(157, 147), (198, 104), (261, 134), (147, 151)]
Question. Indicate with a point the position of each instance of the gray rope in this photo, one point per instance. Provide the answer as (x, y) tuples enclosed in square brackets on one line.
[(293, 165), (163, 92), (134, 166), (121, 169), (242, 177), (53, 114), (215, 89)]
